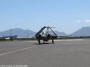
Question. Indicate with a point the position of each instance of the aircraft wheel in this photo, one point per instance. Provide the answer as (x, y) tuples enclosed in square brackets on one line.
[(52, 41), (39, 42)]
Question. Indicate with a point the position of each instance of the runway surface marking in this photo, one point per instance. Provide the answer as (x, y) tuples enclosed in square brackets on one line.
[(14, 51)]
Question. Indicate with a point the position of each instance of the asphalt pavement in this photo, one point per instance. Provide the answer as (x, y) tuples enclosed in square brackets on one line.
[(64, 53)]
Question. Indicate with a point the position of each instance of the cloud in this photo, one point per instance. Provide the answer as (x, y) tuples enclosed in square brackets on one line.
[(87, 20), (83, 21)]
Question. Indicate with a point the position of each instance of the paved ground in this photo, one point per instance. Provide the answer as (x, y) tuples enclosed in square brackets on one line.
[(64, 53)]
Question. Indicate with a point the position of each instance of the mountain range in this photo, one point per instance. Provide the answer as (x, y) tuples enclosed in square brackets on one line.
[(21, 33), (84, 31)]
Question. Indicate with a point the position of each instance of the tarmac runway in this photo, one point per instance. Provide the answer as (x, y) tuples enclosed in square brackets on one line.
[(64, 53)]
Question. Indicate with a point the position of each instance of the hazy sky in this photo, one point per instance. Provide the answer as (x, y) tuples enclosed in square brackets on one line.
[(65, 15)]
